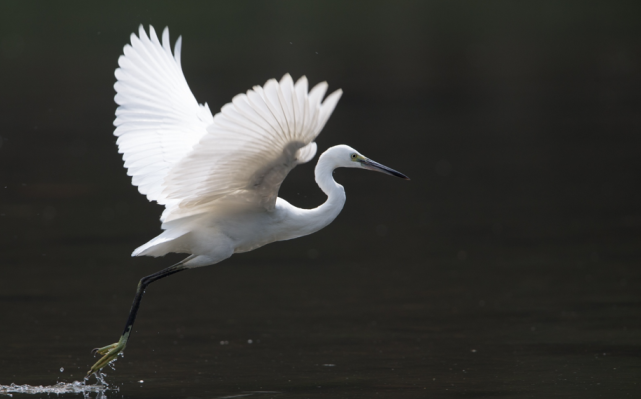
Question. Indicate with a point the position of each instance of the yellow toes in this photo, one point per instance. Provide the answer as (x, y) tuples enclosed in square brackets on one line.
[(109, 352), (104, 349)]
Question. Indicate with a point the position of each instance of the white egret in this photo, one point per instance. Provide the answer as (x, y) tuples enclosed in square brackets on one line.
[(218, 176)]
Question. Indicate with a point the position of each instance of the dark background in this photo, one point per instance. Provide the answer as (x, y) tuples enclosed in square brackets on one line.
[(507, 267)]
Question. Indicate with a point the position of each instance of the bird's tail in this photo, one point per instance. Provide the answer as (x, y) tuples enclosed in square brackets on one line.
[(161, 245), (173, 239)]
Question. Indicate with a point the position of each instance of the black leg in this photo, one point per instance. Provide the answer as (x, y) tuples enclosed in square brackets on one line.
[(110, 352), (142, 285)]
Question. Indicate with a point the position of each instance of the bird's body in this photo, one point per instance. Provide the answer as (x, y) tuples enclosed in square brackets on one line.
[(218, 176), (233, 227)]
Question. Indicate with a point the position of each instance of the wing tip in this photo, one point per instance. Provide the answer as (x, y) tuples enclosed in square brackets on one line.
[(177, 50), (336, 93), (286, 79)]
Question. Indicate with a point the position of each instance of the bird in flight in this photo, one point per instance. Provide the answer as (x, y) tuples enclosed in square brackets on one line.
[(218, 175)]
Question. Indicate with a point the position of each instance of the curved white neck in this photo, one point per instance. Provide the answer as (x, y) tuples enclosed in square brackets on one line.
[(324, 177), (324, 214), (301, 222)]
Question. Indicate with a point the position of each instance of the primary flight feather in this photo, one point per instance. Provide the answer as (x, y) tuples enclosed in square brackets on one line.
[(218, 176)]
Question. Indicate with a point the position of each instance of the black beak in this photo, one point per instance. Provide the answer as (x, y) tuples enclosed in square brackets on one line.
[(377, 167)]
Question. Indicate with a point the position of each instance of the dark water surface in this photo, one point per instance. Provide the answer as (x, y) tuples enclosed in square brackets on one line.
[(509, 266), (328, 328)]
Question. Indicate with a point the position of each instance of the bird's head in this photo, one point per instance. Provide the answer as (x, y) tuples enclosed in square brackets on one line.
[(345, 156)]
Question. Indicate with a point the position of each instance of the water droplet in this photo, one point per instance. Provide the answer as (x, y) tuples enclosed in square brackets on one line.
[(62, 369), (141, 381)]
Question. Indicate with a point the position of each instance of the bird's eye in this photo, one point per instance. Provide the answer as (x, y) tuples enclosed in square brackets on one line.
[(354, 156)]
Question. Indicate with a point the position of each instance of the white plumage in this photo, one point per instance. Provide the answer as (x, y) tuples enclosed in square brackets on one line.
[(181, 156), (218, 176)]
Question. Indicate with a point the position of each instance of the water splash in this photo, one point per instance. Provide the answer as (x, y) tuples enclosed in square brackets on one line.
[(82, 387), (100, 378)]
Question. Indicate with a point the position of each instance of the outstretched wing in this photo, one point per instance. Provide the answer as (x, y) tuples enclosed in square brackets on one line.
[(182, 157), (158, 121), (250, 147)]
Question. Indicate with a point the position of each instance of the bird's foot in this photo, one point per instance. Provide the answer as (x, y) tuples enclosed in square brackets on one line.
[(109, 352)]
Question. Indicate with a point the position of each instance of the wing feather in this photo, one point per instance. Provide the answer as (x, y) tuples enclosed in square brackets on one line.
[(187, 159), (158, 120), (250, 147)]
